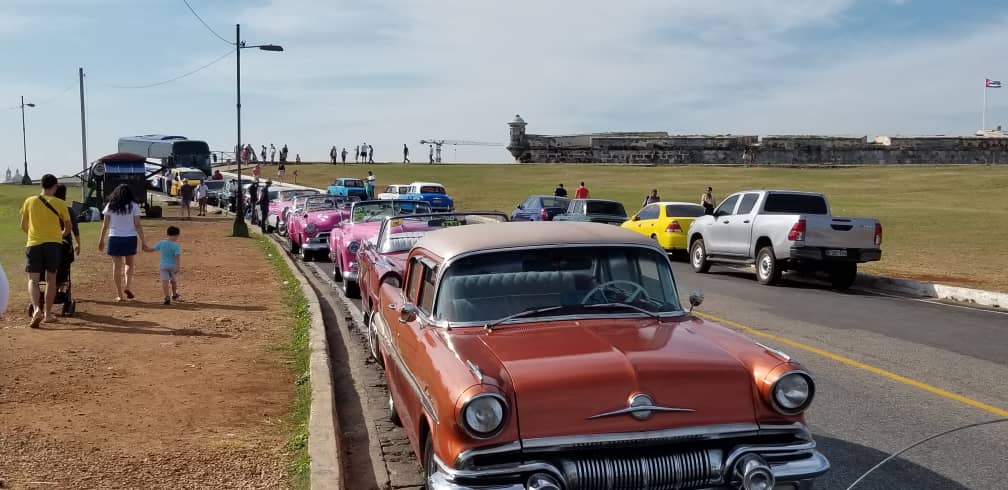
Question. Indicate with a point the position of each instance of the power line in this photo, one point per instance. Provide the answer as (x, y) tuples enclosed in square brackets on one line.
[(155, 84), (186, 2), (48, 99)]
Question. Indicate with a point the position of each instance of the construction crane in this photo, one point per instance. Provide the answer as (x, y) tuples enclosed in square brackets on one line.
[(437, 144)]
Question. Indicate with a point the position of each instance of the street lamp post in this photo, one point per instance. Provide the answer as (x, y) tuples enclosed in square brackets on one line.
[(240, 228), (26, 180)]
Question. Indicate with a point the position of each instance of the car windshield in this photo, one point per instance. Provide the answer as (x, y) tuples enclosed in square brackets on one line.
[(291, 194), (683, 210), (318, 203), (554, 202), (351, 183), (605, 207), (379, 210), (398, 234), (432, 189), (214, 185), (192, 175), (567, 280)]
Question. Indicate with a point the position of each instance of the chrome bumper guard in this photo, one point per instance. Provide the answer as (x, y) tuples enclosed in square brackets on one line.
[(793, 466)]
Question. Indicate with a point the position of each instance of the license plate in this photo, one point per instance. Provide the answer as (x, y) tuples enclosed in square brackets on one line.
[(836, 253)]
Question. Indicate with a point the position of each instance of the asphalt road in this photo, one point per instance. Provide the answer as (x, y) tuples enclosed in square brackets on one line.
[(890, 371)]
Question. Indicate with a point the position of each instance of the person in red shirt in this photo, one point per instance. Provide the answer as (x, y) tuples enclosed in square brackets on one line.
[(581, 192)]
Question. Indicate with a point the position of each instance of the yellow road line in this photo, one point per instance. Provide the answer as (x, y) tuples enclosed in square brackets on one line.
[(860, 365)]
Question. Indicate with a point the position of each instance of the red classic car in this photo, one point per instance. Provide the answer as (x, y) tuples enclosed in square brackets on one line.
[(308, 228), (363, 224), (285, 197), (544, 355), (383, 258)]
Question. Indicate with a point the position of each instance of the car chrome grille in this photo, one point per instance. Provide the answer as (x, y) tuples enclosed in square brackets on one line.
[(674, 471)]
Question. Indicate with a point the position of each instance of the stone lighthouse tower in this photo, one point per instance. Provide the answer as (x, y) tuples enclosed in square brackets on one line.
[(518, 144)]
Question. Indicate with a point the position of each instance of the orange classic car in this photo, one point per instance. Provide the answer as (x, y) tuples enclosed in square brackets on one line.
[(544, 355)]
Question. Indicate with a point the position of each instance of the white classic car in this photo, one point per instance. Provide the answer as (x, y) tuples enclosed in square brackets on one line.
[(393, 191)]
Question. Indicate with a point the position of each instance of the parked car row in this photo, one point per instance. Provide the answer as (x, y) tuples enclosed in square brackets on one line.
[(774, 231), (524, 355)]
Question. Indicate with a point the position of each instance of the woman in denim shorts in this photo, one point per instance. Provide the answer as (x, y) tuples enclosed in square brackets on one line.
[(122, 226)]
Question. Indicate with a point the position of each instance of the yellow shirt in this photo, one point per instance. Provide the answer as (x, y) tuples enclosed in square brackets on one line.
[(43, 225)]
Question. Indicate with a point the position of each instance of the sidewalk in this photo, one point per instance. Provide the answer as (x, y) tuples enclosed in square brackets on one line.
[(142, 395)]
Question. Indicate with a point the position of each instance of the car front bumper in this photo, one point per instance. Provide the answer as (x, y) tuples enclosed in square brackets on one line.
[(316, 244)]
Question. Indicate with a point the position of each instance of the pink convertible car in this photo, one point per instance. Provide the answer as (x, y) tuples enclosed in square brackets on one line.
[(308, 228), (365, 220), (285, 197)]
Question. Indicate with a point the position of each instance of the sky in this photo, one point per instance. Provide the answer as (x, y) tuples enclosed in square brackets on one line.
[(390, 72)]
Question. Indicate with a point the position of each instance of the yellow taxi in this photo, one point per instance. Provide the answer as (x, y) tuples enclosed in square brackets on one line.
[(666, 222), (179, 175)]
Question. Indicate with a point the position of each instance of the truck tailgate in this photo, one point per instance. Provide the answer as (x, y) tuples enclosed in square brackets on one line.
[(832, 232)]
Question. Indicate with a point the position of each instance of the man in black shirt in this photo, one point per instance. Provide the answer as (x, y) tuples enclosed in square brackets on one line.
[(560, 191)]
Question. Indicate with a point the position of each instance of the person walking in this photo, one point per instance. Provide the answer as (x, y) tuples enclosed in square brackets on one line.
[(356, 154), (186, 193), (332, 155), (344, 155), (272, 153), (405, 154), (707, 201), (652, 197), (297, 159), (256, 171), (264, 205), (168, 267), (431, 154), (122, 228), (581, 192), (201, 198), (263, 153), (281, 170), (560, 191), (370, 150), (283, 153), (253, 196), (69, 250), (364, 153), (233, 192), (44, 218), (369, 185)]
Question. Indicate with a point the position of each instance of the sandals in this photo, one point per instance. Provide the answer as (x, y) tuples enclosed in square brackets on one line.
[(129, 294), (36, 321)]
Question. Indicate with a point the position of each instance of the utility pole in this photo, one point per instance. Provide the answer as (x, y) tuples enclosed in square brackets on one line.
[(83, 136), (240, 229), (26, 180)]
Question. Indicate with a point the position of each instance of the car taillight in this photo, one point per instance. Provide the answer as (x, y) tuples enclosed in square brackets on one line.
[(878, 234), (543, 214), (797, 232), (673, 227)]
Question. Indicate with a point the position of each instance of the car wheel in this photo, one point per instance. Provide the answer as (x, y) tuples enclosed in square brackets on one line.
[(337, 272), (306, 255), (767, 269), (842, 276), (430, 467), (393, 414), (293, 246), (350, 289), (372, 335), (698, 256)]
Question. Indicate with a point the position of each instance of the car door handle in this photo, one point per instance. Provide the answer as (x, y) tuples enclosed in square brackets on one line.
[(726, 222), (746, 221)]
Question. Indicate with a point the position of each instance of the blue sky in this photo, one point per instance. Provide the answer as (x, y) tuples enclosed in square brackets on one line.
[(395, 71)]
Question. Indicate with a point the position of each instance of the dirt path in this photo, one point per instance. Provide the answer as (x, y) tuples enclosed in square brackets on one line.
[(142, 395)]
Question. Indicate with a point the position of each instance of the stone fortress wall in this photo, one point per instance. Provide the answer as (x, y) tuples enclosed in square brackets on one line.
[(662, 148)]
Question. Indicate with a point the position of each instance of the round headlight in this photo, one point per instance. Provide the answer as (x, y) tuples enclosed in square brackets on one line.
[(792, 393), (352, 247), (483, 415), (310, 228)]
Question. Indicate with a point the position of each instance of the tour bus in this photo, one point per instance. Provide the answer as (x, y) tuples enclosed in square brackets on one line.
[(170, 151)]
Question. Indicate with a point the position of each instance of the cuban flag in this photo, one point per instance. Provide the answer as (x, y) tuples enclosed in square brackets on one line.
[(992, 83)]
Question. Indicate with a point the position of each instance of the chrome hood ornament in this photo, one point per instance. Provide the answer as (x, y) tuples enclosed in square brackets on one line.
[(641, 407)]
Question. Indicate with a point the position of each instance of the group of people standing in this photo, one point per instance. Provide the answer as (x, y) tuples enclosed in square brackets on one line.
[(706, 199), (363, 153), (248, 154)]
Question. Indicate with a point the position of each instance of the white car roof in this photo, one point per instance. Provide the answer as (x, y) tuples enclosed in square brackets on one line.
[(426, 183)]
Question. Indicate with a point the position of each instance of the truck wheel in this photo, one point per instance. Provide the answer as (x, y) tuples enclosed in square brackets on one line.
[(842, 276), (698, 256), (767, 269)]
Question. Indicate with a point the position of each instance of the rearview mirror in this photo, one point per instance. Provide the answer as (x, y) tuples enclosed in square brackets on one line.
[(408, 313), (695, 298)]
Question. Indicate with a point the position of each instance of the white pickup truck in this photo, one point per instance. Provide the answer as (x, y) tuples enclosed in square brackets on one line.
[(784, 230)]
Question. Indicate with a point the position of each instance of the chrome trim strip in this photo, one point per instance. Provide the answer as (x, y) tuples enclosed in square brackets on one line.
[(476, 371), (641, 408), (462, 460), (392, 352), (706, 432), (784, 357), (498, 471)]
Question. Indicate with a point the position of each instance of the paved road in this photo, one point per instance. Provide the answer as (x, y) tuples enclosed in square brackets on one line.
[(890, 371)]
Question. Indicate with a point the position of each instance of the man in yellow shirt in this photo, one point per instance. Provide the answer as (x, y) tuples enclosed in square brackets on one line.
[(46, 221)]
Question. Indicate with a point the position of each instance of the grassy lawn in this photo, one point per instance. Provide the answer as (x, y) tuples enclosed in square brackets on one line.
[(942, 224)]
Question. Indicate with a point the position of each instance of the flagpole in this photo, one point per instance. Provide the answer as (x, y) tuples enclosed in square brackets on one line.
[(983, 113)]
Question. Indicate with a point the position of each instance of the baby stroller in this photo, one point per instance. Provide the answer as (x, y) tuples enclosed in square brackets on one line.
[(64, 291)]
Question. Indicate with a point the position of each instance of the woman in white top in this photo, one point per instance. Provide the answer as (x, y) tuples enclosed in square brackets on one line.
[(122, 225)]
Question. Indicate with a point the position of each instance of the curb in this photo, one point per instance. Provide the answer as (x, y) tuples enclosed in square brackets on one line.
[(323, 446), (909, 287)]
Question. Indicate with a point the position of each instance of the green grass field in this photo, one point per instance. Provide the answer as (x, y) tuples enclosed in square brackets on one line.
[(941, 224)]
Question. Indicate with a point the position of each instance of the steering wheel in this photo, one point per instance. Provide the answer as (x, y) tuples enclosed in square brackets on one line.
[(638, 291)]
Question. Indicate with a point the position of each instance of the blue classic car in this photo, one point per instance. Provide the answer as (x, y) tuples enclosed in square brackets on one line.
[(346, 186), (431, 193)]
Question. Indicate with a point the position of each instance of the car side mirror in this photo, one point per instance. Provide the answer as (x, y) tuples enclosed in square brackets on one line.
[(635, 218), (521, 207), (305, 216), (696, 297), (408, 313)]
